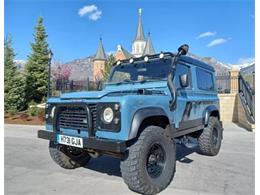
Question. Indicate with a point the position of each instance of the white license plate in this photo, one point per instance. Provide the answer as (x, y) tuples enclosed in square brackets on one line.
[(70, 141)]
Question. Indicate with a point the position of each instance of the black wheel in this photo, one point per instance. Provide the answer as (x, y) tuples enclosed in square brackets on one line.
[(150, 164), (68, 157), (209, 141)]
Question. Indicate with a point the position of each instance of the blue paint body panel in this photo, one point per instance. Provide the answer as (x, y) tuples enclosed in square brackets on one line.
[(131, 102)]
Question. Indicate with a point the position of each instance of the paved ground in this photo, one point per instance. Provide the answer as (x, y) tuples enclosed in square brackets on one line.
[(29, 169)]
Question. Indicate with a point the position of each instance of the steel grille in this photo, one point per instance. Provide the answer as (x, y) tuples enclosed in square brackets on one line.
[(73, 117), (93, 110)]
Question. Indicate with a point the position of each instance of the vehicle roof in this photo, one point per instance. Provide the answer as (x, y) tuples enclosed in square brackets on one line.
[(183, 58), (196, 62)]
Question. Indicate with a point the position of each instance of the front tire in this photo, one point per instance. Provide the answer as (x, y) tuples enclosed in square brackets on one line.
[(210, 139), (68, 157), (150, 165)]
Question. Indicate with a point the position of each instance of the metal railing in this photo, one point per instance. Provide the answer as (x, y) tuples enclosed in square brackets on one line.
[(223, 82), (247, 96), (65, 85)]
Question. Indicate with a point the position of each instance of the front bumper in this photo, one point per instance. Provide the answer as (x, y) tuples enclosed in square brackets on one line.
[(90, 143)]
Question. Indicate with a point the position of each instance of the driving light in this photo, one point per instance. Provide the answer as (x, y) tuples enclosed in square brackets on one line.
[(108, 115), (118, 62), (161, 55), (146, 58), (131, 60)]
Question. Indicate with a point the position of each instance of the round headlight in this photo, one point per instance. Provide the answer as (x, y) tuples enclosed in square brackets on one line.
[(108, 115)]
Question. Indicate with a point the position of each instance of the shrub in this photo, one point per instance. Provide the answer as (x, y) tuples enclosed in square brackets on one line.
[(41, 112), (12, 111), (33, 109)]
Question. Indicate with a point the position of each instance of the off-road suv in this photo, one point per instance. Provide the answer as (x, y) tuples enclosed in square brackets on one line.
[(148, 104)]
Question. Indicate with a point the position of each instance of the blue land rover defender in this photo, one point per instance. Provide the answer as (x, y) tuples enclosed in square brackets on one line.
[(148, 104)]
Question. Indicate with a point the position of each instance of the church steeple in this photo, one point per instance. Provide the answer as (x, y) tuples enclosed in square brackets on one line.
[(138, 44), (149, 49), (140, 30), (99, 62), (100, 55)]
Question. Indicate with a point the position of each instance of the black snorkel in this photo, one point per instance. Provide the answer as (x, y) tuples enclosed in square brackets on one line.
[(182, 50)]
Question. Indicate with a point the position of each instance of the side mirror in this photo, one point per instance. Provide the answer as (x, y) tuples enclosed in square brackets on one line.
[(184, 80)]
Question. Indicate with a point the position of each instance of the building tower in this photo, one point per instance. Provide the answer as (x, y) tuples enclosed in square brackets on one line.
[(99, 62), (139, 42), (149, 49)]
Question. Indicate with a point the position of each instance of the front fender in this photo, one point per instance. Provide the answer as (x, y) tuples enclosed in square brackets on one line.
[(208, 111), (142, 114)]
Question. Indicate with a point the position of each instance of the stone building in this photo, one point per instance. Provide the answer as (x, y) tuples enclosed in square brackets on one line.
[(140, 46), (99, 62)]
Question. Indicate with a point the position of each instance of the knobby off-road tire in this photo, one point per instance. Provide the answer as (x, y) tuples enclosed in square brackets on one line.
[(139, 168), (68, 157), (210, 139)]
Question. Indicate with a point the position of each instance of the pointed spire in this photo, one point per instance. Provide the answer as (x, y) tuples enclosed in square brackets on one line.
[(149, 50), (100, 55), (140, 30)]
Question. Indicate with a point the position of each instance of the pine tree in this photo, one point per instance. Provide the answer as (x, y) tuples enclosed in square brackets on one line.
[(37, 66), (14, 90), (108, 66), (9, 64)]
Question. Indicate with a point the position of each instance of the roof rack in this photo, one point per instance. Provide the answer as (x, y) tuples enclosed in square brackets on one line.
[(166, 54)]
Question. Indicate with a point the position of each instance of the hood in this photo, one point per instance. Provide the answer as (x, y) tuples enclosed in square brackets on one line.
[(84, 94), (125, 89)]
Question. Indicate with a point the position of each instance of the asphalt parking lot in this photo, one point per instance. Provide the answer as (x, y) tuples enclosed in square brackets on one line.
[(30, 170)]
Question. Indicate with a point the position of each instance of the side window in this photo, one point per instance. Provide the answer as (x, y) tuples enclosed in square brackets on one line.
[(204, 80), (180, 70)]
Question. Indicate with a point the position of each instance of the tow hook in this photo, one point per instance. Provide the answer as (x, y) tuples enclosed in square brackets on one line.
[(93, 153)]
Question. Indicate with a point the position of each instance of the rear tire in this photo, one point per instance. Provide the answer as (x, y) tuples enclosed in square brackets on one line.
[(209, 141), (68, 157), (150, 165)]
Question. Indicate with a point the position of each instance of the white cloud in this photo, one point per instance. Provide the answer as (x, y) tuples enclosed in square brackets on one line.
[(92, 11), (217, 42), (87, 9), (206, 34), (95, 16), (246, 60)]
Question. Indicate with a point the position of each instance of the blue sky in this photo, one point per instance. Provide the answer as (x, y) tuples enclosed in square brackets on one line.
[(221, 29)]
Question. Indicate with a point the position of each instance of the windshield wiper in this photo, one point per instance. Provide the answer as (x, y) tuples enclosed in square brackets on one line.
[(125, 81)]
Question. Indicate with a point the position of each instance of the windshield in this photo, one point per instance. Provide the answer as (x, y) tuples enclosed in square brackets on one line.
[(141, 71)]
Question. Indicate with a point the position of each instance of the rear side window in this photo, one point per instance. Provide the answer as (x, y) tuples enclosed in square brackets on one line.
[(204, 80)]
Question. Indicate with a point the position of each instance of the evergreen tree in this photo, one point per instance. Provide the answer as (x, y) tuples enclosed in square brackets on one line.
[(9, 64), (108, 66), (14, 89), (37, 66)]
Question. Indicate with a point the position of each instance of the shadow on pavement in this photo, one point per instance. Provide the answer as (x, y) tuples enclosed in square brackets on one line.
[(111, 166)]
